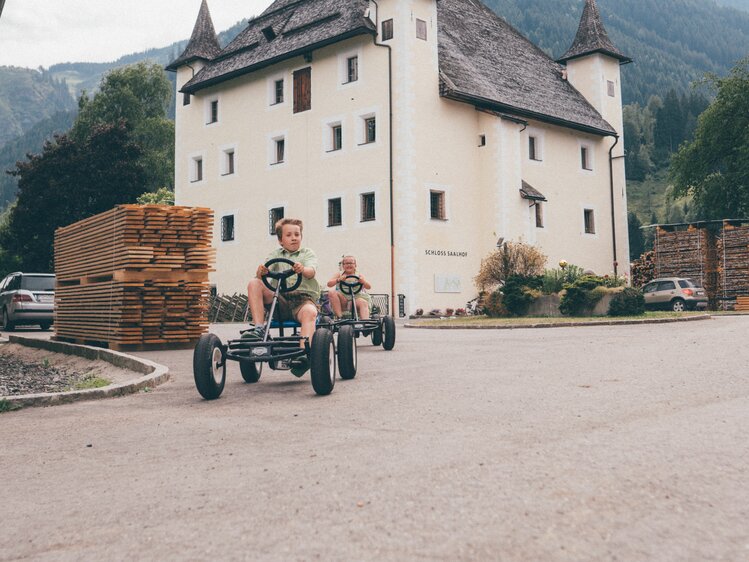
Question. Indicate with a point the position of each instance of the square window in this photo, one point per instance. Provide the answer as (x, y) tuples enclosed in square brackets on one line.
[(280, 150), (334, 212), (197, 169), (274, 215), (370, 130), (590, 221), (278, 91), (437, 205), (227, 228), (421, 29), (368, 207), (228, 162), (611, 88), (352, 69), (185, 99), (387, 30), (337, 137), (539, 215), (585, 158), (213, 118)]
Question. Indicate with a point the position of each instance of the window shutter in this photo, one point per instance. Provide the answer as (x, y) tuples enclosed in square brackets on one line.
[(303, 90)]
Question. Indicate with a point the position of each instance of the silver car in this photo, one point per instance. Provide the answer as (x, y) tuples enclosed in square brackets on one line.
[(674, 293), (27, 298)]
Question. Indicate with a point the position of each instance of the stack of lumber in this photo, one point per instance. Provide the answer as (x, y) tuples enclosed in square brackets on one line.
[(643, 269), (734, 256), (742, 304), (681, 253), (134, 277)]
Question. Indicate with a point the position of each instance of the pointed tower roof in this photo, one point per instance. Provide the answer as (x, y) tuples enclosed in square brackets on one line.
[(203, 43), (592, 37)]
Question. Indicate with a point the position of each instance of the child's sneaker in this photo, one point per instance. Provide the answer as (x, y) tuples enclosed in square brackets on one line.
[(254, 333), (299, 366)]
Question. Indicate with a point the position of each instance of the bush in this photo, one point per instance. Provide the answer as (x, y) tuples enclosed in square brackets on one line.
[(512, 258), (493, 306), (629, 302), (519, 292), (554, 280), (581, 296)]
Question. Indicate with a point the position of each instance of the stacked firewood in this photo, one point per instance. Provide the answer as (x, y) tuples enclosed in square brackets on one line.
[(643, 269), (681, 253), (134, 277), (733, 253)]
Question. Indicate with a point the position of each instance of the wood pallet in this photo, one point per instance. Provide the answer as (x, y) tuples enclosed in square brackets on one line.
[(134, 276)]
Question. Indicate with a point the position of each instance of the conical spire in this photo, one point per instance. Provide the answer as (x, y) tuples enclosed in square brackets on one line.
[(592, 37), (203, 43)]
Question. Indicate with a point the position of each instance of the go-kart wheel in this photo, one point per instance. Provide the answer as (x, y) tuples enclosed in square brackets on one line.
[(322, 362), (388, 336), (347, 355), (377, 335), (281, 276), (208, 366), (250, 371)]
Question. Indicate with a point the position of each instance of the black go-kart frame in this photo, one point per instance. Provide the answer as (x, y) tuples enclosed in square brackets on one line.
[(211, 355)]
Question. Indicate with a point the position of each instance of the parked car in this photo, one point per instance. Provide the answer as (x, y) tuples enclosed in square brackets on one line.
[(674, 293), (27, 298)]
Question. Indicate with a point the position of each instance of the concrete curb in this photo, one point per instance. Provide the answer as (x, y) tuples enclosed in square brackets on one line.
[(153, 374), (585, 323)]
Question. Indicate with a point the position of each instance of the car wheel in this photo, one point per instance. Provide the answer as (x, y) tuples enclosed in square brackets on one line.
[(323, 362), (678, 305), (250, 371), (208, 367), (8, 326), (388, 336), (45, 326), (347, 355)]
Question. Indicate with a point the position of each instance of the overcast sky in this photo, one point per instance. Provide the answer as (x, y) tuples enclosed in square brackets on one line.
[(45, 32)]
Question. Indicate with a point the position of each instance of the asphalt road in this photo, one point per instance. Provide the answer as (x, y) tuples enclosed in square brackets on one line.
[(611, 443)]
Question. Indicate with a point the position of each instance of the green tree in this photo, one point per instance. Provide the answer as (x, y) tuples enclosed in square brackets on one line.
[(163, 196), (69, 181), (139, 95), (714, 167), (636, 237)]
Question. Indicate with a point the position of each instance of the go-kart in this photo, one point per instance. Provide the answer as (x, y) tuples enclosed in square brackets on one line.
[(211, 356), (381, 328)]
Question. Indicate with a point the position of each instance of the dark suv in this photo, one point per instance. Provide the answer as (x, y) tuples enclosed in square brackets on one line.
[(27, 298)]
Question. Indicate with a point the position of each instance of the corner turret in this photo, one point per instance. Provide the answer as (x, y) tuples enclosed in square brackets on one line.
[(203, 44)]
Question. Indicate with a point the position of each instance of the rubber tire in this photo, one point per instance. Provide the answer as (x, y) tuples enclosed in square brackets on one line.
[(347, 353), (678, 305), (388, 336), (8, 326), (45, 326), (377, 335), (323, 362), (203, 367), (250, 372)]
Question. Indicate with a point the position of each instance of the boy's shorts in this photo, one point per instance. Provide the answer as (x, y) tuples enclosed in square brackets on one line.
[(290, 303)]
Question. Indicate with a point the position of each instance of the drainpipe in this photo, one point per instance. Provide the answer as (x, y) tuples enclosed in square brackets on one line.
[(613, 213), (390, 157)]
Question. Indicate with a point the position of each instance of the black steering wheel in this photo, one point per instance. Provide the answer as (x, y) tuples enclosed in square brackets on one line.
[(281, 276), (351, 285)]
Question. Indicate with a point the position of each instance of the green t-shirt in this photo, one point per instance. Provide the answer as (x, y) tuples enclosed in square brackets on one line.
[(308, 258)]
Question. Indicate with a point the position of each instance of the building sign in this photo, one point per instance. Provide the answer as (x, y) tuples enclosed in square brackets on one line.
[(446, 283), (446, 253)]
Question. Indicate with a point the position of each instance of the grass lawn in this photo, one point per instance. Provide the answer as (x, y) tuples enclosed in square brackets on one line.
[(484, 321)]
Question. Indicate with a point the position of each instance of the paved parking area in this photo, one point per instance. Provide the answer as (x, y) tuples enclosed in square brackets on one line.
[(609, 443)]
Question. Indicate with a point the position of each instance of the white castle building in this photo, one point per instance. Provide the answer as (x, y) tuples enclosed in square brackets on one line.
[(413, 134)]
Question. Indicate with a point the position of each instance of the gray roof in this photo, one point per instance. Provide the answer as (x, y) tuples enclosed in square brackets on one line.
[(527, 191), (203, 43), (592, 37), (288, 28), (485, 61)]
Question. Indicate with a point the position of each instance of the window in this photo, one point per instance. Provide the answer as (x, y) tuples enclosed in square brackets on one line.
[(421, 29), (227, 228), (585, 158), (213, 116), (666, 286), (274, 215), (533, 149), (197, 169), (336, 137), (268, 33), (185, 99), (278, 91), (539, 215), (303, 90), (370, 130), (280, 150), (352, 69), (334, 212), (482, 140), (611, 90), (368, 207), (228, 162), (590, 222), (437, 205), (387, 30)]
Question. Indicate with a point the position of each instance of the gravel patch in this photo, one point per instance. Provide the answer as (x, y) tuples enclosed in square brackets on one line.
[(26, 370)]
